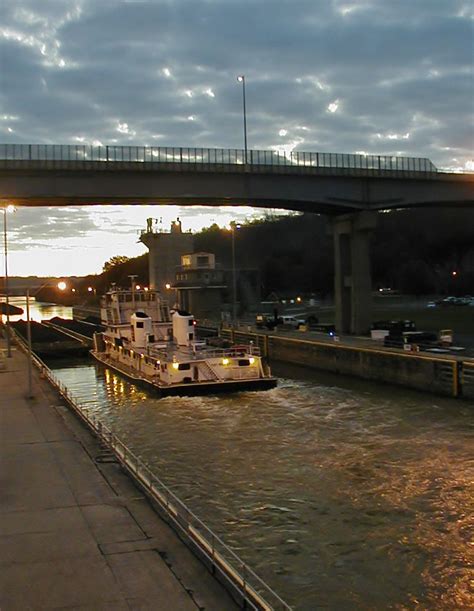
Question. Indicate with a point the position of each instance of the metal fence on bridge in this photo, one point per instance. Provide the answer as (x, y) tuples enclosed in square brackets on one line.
[(149, 156)]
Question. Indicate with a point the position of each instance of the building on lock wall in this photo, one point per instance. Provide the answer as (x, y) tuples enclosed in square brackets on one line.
[(200, 285)]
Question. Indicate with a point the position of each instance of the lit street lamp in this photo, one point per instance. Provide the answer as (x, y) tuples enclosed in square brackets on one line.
[(241, 79), (7, 209)]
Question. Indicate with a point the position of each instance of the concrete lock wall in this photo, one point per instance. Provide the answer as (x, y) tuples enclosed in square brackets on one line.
[(467, 377), (436, 375), (412, 371)]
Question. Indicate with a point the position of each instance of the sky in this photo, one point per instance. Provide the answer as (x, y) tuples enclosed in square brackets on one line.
[(374, 76)]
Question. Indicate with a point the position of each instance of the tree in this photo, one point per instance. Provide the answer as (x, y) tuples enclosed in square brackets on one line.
[(114, 261)]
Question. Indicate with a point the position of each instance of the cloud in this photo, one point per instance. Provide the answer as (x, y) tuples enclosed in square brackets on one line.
[(165, 73)]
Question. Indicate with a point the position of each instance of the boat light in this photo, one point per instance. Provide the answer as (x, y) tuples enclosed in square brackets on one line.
[(175, 365), (251, 360), (225, 361)]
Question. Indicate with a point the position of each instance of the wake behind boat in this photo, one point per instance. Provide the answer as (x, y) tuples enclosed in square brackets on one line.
[(153, 348)]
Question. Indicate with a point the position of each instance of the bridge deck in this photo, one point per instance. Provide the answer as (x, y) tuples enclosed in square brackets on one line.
[(327, 183)]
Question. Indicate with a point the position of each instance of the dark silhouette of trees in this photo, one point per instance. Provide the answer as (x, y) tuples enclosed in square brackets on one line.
[(423, 251)]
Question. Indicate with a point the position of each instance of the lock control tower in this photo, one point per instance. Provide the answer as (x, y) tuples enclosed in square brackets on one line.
[(166, 249)]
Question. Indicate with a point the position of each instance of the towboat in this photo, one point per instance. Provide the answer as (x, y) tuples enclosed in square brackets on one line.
[(158, 349)]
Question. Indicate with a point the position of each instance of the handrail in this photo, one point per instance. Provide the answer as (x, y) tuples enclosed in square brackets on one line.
[(234, 351), (187, 158), (255, 593)]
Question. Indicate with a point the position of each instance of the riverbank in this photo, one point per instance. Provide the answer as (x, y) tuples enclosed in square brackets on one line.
[(75, 531)]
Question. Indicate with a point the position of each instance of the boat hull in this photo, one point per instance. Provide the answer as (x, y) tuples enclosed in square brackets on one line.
[(189, 388)]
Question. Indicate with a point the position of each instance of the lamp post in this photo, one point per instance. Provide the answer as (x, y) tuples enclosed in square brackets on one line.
[(233, 227), (7, 209), (241, 79), (28, 339)]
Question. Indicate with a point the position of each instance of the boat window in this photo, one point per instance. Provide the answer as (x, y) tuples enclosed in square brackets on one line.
[(184, 366), (190, 322), (190, 336), (139, 325), (244, 362)]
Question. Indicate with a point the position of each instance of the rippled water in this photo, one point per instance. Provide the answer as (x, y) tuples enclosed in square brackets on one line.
[(341, 495)]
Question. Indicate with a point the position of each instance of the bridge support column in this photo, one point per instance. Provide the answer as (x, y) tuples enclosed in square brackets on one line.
[(353, 286)]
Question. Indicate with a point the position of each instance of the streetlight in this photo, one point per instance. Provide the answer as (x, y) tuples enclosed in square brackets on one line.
[(233, 227), (7, 209), (241, 79)]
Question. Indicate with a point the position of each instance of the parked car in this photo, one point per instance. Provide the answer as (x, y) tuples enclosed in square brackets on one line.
[(291, 321), (265, 321), (455, 301)]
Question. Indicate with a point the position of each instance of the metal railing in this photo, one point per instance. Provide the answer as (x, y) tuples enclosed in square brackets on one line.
[(206, 353), (186, 157), (250, 590)]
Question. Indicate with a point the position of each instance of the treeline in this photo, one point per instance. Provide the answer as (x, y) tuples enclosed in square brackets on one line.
[(422, 251)]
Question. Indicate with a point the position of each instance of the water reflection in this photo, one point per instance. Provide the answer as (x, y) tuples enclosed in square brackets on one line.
[(342, 497), (38, 310)]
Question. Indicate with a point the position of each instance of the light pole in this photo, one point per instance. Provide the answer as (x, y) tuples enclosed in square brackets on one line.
[(7, 209), (233, 227), (28, 339), (241, 79)]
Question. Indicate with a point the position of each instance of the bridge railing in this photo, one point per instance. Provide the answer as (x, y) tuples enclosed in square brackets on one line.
[(257, 160)]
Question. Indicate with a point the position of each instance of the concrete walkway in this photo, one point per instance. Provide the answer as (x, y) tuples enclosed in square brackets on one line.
[(74, 532)]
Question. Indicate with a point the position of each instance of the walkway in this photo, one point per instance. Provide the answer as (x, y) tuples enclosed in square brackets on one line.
[(74, 531)]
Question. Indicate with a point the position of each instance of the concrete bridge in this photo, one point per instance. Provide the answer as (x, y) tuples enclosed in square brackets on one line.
[(329, 183), (349, 188)]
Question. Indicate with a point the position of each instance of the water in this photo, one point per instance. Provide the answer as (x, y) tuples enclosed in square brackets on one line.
[(340, 494), (38, 310)]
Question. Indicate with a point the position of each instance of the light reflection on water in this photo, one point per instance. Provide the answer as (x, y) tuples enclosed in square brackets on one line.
[(38, 310), (355, 496)]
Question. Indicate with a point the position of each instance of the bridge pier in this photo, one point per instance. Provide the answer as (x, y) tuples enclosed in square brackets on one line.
[(353, 286)]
